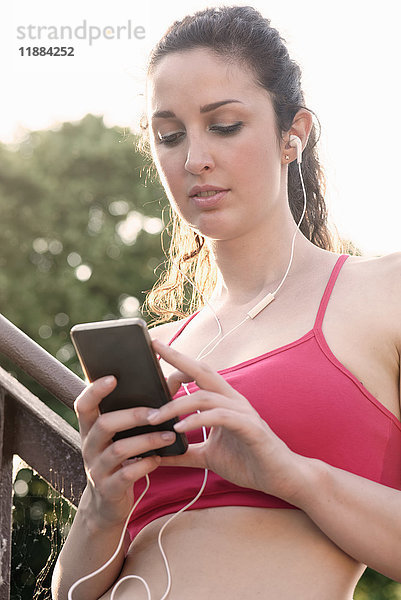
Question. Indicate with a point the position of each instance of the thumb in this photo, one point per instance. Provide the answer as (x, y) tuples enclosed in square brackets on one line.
[(175, 380), (193, 457)]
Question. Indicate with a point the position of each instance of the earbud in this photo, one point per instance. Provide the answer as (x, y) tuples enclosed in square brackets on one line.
[(295, 142)]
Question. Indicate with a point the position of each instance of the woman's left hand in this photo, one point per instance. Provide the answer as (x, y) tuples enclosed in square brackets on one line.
[(240, 447)]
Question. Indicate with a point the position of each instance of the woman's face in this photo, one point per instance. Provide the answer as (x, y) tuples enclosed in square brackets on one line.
[(213, 138)]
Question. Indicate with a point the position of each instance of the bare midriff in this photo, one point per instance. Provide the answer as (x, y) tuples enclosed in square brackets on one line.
[(239, 553)]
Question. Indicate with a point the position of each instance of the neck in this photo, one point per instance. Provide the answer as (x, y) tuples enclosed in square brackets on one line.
[(255, 264)]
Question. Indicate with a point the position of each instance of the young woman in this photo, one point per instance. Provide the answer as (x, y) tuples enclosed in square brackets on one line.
[(301, 402)]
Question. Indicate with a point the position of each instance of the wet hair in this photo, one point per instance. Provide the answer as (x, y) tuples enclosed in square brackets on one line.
[(238, 34)]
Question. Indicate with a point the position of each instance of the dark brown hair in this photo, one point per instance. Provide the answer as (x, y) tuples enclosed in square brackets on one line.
[(238, 34)]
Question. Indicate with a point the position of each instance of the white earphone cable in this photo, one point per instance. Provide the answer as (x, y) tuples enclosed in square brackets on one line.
[(296, 231), (103, 567), (166, 564), (159, 539), (271, 296)]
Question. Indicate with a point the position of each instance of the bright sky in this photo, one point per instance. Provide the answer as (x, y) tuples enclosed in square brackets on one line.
[(349, 52)]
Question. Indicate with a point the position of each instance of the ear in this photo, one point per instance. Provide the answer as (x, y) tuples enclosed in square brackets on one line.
[(301, 127)]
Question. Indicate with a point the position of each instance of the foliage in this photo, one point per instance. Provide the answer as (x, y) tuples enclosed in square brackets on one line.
[(374, 586), (41, 521), (79, 232)]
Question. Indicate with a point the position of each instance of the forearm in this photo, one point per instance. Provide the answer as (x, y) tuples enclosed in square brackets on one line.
[(87, 548), (362, 517)]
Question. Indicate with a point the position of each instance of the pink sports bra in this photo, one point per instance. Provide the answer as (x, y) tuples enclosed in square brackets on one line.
[(312, 402)]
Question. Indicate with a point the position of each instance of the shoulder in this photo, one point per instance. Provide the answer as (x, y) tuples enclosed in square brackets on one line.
[(379, 270), (378, 281), (166, 331)]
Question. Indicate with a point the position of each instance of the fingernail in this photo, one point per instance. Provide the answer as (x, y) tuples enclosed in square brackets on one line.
[(179, 425), (168, 435), (153, 414), (108, 380)]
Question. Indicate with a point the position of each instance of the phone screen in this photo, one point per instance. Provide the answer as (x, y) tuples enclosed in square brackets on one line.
[(122, 348)]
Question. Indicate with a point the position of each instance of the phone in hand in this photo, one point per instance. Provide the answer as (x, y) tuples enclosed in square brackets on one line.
[(123, 348)]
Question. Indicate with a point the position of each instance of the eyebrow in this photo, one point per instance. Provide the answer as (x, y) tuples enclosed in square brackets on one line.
[(168, 114)]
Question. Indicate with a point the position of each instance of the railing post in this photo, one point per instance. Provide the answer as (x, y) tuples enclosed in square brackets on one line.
[(39, 364), (6, 483), (19, 412)]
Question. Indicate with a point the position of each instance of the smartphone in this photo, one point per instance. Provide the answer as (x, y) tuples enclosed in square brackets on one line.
[(123, 348)]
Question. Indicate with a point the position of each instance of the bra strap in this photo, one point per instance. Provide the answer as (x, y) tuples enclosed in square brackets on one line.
[(327, 292), (182, 328)]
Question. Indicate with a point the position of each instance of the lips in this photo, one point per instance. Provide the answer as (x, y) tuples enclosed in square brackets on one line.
[(207, 196), (205, 191)]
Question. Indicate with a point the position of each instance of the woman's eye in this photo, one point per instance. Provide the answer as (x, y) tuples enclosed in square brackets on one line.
[(226, 129), (170, 138), (173, 138)]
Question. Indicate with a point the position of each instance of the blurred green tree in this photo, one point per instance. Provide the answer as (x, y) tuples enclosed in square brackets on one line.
[(80, 224)]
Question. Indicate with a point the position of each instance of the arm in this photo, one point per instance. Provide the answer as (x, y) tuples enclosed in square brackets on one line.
[(108, 497), (362, 517), (87, 548)]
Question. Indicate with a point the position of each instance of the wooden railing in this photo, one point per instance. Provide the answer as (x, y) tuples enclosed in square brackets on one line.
[(31, 430)]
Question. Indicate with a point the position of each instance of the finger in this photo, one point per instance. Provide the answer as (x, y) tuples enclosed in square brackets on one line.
[(175, 380), (124, 478), (193, 457), (87, 404), (108, 424), (189, 369), (251, 429), (121, 450), (200, 400)]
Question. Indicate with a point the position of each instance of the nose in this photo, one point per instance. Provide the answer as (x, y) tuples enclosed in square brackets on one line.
[(199, 158)]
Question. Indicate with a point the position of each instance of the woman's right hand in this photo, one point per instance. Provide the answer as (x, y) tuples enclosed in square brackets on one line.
[(110, 472)]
